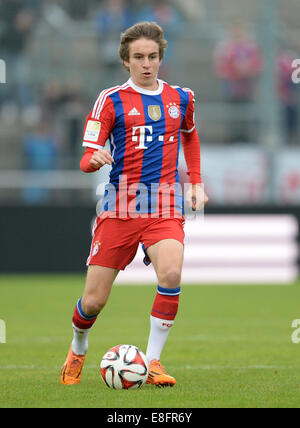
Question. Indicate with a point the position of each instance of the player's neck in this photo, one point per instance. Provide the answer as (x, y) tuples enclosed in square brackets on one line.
[(143, 89), (150, 87)]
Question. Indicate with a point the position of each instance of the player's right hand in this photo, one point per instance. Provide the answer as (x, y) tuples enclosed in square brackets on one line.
[(100, 158)]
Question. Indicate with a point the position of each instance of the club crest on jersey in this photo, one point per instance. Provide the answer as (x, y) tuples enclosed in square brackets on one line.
[(173, 110), (154, 112)]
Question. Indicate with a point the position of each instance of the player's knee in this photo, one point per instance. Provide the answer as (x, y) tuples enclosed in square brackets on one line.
[(92, 305), (170, 278)]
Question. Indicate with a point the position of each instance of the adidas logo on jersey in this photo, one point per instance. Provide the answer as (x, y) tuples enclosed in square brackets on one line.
[(134, 112)]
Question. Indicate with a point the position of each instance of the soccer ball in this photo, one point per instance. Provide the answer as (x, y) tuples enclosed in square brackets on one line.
[(124, 367)]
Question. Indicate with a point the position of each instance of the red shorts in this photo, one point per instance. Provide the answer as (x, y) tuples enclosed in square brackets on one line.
[(115, 241)]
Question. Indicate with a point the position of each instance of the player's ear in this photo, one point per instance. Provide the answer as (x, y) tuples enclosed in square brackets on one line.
[(126, 64)]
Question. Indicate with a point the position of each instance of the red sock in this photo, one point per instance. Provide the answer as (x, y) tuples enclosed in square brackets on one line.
[(80, 319), (166, 303)]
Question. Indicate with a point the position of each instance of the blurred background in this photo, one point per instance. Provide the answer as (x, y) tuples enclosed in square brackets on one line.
[(237, 57)]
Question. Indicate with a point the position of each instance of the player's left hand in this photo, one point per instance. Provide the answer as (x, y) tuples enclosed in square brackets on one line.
[(195, 197)]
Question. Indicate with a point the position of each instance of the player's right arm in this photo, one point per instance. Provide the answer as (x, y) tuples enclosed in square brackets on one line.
[(93, 159), (98, 126)]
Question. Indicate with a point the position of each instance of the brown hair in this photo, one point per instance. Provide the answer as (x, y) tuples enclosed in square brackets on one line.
[(147, 30)]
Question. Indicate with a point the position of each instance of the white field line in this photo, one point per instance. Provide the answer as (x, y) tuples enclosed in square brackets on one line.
[(187, 367), (198, 338)]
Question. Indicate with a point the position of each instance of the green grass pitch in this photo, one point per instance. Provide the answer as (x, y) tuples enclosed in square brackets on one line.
[(230, 346)]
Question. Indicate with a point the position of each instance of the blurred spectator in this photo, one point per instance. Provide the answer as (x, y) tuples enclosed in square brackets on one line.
[(237, 63), (64, 105), (192, 10), (78, 9), (74, 111), (288, 94), (55, 15), (40, 153), (112, 17), (17, 19), (169, 18), (51, 98)]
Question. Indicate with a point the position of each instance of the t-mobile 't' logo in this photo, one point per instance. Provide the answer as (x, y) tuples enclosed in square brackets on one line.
[(2, 71), (145, 138)]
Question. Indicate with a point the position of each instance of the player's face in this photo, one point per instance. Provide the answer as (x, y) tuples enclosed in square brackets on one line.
[(144, 63)]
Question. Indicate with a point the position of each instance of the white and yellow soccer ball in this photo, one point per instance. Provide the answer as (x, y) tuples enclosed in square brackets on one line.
[(124, 367)]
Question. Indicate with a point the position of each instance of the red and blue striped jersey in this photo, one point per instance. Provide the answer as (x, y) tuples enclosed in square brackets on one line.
[(144, 129)]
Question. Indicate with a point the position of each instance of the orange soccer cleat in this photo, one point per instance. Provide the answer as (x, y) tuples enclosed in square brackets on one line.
[(72, 368), (158, 376)]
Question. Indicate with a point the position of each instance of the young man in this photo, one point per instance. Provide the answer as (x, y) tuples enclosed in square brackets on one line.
[(143, 119)]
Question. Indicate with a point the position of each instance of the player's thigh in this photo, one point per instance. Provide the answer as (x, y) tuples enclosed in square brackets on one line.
[(99, 281), (167, 259), (115, 243)]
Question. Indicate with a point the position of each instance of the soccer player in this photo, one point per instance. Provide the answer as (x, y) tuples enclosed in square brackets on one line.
[(144, 119)]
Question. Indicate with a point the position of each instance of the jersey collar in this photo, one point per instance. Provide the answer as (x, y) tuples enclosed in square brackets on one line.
[(146, 91)]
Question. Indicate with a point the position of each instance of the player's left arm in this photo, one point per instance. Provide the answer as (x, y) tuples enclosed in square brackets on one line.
[(195, 196)]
